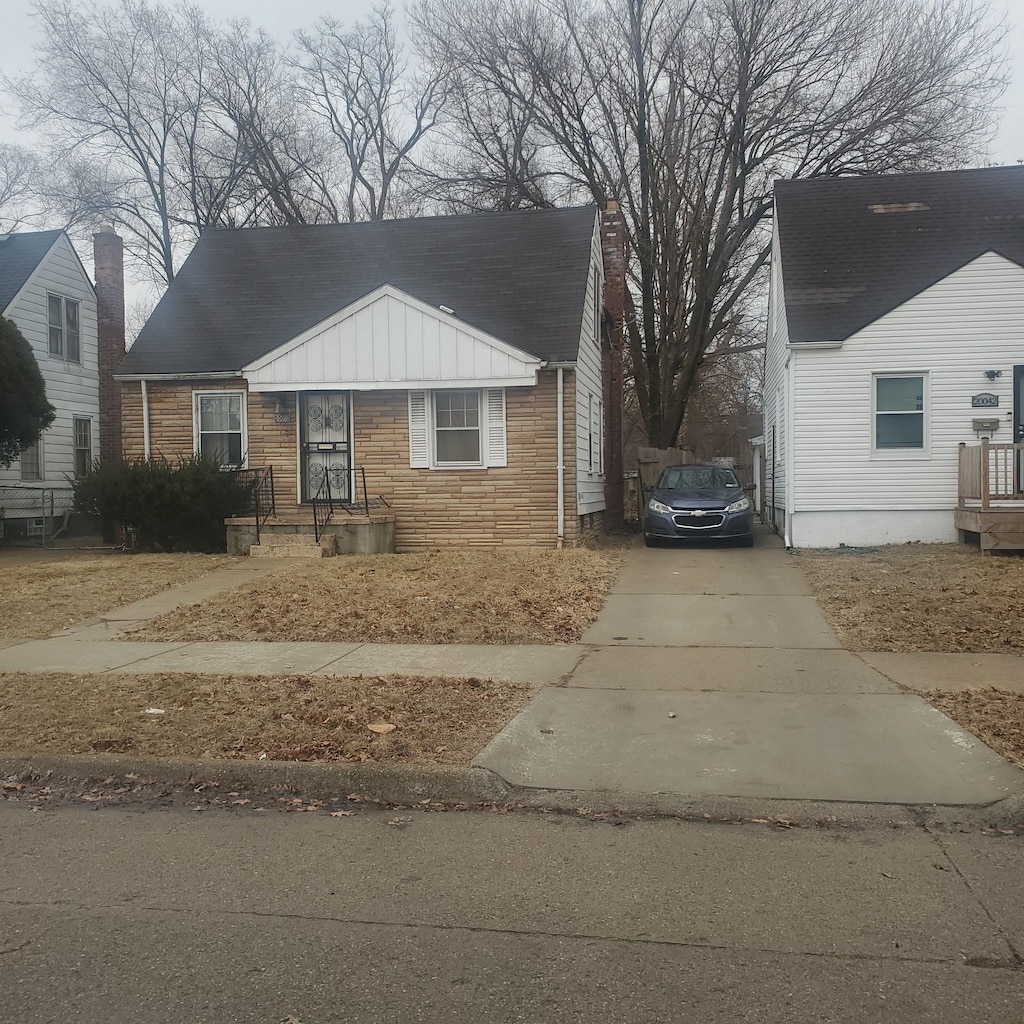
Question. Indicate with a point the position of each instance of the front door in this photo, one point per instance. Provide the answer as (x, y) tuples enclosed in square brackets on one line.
[(324, 444)]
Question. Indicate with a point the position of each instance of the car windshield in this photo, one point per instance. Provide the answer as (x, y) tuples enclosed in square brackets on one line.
[(697, 478)]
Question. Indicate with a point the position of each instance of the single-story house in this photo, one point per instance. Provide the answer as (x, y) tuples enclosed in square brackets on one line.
[(463, 366), (46, 292), (895, 358)]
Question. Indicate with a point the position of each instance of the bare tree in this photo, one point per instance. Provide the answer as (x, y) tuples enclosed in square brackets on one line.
[(113, 95), (686, 111), (377, 110), (19, 172), (282, 156)]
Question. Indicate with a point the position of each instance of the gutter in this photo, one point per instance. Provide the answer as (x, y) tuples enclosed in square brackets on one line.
[(208, 375)]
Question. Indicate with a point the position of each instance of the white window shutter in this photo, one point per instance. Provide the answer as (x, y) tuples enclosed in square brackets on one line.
[(419, 449), (494, 418)]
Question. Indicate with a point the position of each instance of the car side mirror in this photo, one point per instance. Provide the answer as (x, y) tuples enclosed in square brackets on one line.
[(750, 487)]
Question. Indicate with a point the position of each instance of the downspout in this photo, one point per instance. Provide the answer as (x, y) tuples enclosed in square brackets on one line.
[(560, 458), (790, 449), (145, 421)]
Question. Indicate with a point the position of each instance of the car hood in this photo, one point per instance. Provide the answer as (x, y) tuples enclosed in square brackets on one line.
[(702, 497)]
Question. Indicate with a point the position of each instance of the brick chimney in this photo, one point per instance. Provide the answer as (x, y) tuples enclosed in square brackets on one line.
[(613, 250), (108, 257)]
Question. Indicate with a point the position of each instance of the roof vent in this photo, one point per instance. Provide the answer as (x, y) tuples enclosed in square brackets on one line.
[(897, 207)]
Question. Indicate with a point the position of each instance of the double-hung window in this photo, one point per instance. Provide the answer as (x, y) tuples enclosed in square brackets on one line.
[(220, 426), (457, 428), (65, 326), (32, 462), (899, 414), (83, 446)]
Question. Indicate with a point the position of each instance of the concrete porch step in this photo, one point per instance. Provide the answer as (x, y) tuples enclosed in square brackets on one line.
[(293, 545)]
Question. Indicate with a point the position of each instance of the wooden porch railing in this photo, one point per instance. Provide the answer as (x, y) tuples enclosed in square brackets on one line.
[(990, 472)]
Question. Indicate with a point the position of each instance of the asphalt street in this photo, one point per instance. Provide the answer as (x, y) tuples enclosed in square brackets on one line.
[(109, 915)]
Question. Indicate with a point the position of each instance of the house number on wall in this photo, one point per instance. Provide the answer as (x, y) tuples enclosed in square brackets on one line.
[(985, 401)]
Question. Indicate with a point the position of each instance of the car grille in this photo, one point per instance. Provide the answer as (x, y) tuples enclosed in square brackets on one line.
[(698, 520)]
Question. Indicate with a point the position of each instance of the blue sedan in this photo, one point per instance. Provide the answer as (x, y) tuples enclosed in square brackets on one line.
[(698, 502)]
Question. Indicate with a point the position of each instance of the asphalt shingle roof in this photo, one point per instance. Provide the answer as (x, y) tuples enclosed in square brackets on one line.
[(520, 276), (20, 254), (854, 249)]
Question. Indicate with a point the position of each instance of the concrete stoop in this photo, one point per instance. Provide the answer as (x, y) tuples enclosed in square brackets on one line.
[(294, 545)]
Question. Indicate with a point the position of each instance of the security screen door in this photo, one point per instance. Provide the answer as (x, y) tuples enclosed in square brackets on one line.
[(324, 444)]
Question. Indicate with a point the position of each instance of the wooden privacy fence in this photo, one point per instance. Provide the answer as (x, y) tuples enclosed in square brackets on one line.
[(990, 472)]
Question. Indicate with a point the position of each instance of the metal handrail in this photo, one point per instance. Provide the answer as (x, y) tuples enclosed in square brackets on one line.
[(323, 507), (262, 503), (325, 504)]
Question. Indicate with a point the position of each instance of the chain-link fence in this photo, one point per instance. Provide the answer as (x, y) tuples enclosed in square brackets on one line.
[(35, 515)]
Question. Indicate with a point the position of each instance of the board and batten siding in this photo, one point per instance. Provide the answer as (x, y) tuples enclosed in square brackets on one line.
[(842, 490), (390, 338), (71, 388), (775, 395), (589, 404)]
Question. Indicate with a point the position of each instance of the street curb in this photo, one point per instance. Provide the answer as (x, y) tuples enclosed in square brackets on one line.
[(477, 787), (389, 784)]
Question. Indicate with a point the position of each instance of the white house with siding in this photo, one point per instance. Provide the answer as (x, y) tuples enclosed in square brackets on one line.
[(46, 292), (896, 334)]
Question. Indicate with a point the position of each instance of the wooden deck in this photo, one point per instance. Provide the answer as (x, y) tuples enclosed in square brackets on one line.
[(990, 499)]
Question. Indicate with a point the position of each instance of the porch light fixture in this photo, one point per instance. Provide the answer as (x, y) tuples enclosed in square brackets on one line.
[(992, 374)]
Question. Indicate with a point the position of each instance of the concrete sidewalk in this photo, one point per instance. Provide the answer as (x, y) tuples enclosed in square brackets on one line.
[(710, 673)]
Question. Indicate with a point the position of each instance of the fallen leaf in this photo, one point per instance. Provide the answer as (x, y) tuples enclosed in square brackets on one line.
[(342, 814), (380, 728)]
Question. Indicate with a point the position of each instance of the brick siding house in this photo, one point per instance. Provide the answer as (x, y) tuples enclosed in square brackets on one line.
[(469, 366)]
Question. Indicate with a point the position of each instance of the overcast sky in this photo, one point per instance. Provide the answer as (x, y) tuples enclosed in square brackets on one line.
[(282, 18)]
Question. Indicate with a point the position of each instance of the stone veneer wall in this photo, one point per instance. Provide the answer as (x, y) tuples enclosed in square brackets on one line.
[(513, 506)]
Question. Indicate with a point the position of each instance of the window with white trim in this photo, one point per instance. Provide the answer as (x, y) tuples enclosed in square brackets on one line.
[(32, 461), (220, 426), (83, 446), (457, 428), (65, 327), (899, 412), (595, 434), (598, 304)]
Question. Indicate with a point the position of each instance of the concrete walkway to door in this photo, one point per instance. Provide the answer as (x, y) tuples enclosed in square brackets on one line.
[(711, 672)]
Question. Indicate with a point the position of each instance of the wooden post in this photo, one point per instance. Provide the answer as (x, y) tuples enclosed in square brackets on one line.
[(984, 474)]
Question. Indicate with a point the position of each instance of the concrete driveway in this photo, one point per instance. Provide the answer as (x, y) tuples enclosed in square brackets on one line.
[(711, 671)]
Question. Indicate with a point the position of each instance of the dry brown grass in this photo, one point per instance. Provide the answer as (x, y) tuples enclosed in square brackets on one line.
[(292, 718), (921, 597), (40, 598), (440, 597), (995, 716)]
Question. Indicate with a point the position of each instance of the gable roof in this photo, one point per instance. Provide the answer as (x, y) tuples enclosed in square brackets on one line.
[(520, 277), (20, 254), (854, 249)]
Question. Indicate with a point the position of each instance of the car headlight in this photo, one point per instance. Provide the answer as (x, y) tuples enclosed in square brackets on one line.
[(659, 506), (738, 506)]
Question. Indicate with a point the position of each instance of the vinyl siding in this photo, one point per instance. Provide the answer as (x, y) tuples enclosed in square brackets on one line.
[(72, 388), (775, 395), (970, 322), (589, 444)]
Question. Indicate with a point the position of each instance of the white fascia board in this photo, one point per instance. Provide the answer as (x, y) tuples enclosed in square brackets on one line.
[(460, 384), (410, 300), (796, 346)]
